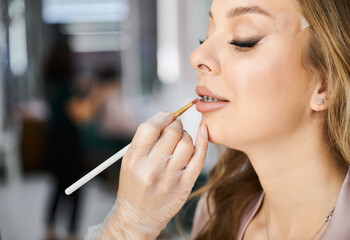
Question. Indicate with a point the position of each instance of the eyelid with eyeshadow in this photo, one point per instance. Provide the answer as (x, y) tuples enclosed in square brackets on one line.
[(240, 45), (243, 45)]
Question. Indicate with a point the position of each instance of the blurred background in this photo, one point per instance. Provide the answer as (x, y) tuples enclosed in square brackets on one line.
[(76, 79)]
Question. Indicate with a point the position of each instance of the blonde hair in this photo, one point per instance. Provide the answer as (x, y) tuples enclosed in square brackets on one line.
[(330, 57), (233, 181)]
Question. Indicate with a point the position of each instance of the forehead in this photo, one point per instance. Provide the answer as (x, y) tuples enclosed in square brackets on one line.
[(225, 7)]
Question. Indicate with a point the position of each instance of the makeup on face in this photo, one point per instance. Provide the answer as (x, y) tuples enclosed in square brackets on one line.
[(247, 32), (253, 61)]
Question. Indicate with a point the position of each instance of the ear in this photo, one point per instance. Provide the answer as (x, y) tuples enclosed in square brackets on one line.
[(320, 97)]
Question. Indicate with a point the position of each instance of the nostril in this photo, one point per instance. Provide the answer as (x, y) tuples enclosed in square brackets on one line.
[(203, 67)]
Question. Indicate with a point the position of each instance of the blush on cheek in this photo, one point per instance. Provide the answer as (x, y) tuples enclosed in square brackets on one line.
[(264, 74)]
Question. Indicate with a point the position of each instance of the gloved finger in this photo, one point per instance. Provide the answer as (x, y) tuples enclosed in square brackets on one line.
[(182, 153), (149, 132), (196, 163), (167, 142)]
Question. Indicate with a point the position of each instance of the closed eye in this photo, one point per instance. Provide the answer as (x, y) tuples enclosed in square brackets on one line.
[(239, 45), (243, 45)]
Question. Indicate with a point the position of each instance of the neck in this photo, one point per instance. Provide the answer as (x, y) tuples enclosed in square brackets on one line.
[(301, 180)]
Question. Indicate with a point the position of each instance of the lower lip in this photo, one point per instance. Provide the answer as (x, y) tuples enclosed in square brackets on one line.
[(205, 107)]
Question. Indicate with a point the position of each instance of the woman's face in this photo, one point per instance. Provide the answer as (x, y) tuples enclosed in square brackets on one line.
[(255, 69)]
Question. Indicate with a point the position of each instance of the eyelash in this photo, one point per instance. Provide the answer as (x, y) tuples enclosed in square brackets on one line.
[(243, 46), (240, 46)]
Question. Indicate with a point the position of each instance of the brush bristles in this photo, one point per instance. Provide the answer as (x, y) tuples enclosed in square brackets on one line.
[(179, 112), (195, 101)]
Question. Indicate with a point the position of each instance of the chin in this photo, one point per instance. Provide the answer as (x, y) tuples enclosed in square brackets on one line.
[(220, 135), (215, 133)]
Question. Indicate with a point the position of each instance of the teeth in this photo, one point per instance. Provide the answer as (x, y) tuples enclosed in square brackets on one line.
[(209, 99)]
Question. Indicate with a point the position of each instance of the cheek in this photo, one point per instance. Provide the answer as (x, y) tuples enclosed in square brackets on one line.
[(265, 73), (267, 92)]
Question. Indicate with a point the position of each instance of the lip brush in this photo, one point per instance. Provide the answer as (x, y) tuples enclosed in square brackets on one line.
[(93, 173)]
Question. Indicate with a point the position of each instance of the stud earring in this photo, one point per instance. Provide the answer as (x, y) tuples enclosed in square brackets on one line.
[(320, 101)]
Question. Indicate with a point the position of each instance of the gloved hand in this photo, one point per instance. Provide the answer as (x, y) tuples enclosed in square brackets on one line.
[(157, 175)]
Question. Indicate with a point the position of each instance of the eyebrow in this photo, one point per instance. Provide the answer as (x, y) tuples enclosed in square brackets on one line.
[(244, 10)]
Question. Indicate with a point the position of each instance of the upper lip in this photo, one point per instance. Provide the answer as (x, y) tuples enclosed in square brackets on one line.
[(204, 91)]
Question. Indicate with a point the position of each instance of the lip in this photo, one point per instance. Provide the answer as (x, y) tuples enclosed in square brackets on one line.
[(204, 91), (205, 107)]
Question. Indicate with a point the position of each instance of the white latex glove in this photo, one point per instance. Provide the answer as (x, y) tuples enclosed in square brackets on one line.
[(157, 175)]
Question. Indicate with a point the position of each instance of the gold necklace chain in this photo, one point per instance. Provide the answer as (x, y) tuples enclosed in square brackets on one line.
[(327, 219)]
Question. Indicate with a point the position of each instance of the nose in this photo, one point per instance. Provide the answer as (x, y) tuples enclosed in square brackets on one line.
[(203, 59)]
